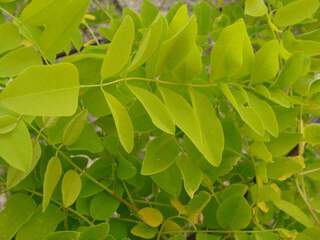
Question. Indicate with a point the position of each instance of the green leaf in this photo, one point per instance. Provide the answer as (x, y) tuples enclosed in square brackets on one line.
[(266, 63), (285, 167), (155, 108), (255, 8), (160, 155), (15, 176), (16, 147), (205, 13), (103, 205), (266, 236), (41, 224), (175, 49), (18, 211), (265, 113), (191, 173), (312, 133), (283, 144), (7, 123), (260, 150), (12, 39), (212, 137), (169, 180), (74, 128), (51, 179), (293, 70), (125, 170), (65, 235), (234, 213), (295, 12), (96, 232), (151, 216), (122, 121), (148, 12), (118, 53), (71, 187), (309, 234), (17, 60), (50, 90), (198, 203), (61, 27), (206, 236), (232, 53), (149, 43), (293, 211), (191, 67), (142, 230)]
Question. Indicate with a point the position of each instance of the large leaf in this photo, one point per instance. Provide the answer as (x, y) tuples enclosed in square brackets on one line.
[(295, 12), (96, 232), (15, 61), (118, 53), (151, 216), (65, 235), (175, 49), (155, 108), (16, 147), (41, 224), (149, 43), (160, 154), (212, 137), (18, 210), (50, 90), (122, 120), (12, 39), (266, 63)]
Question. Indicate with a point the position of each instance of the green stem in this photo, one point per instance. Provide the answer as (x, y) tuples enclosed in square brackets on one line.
[(60, 205), (92, 179)]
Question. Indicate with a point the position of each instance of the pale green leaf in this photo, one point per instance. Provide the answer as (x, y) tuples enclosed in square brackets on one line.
[(155, 108), (71, 187), (50, 90), (260, 150), (17, 60), (51, 179), (12, 39), (295, 12), (312, 133), (266, 63), (122, 120), (212, 137), (255, 8), (7, 123), (149, 43), (16, 147), (118, 53), (293, 211)]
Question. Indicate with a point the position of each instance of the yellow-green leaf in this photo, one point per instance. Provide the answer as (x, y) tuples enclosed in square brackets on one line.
[(71, 187), (155, 108), (122, 120), (16, 147), (74, 128), (255, 8), (151, 216), (295, 12), (51, 179), (50, 90), (118, 53)]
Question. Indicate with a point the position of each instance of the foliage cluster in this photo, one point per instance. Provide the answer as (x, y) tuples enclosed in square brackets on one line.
[(199, 123)]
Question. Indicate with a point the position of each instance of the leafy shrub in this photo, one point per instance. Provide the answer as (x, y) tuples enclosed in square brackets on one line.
[(198, 124)]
